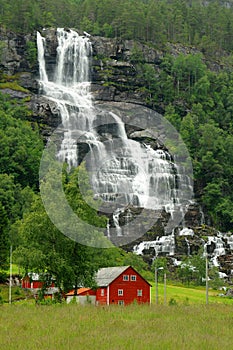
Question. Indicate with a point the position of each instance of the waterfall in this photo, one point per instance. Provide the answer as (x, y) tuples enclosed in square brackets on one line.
[(188, 246), (164, 244), (108, 229), (123, 172), (116, 216), (70, 88), (41, 58)]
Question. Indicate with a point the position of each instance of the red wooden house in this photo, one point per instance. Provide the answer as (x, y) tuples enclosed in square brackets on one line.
[(34, 282), (31, 281), (120, 285)]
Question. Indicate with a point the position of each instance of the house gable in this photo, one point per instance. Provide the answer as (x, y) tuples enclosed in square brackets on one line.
[(129, 287), (121, 285)]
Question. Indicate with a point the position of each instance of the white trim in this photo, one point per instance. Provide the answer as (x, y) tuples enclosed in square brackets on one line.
[(120, 292), (133, 278), (107, 295)]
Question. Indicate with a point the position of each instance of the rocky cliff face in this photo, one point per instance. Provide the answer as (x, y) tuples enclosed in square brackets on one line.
[(115, 79), (113, 73), (114, 70)]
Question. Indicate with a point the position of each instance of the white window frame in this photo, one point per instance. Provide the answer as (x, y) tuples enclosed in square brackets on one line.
[(120, 292), (102, 292), (121, 302), (139, 292), (133, 278), (125, 277)]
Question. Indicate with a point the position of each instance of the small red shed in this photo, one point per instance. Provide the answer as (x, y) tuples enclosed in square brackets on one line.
[(121, 285), (34, 282)]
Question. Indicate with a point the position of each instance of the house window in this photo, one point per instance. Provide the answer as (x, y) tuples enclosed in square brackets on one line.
[(120, 292), (102, 292), (120, 302), (139, 292), (133, 278), (125, 277)]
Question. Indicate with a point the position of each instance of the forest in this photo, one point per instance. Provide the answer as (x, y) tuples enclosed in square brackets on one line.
[(206, 24), (194, 92)]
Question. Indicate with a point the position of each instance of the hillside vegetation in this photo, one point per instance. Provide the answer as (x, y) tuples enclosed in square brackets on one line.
[(206, 24)]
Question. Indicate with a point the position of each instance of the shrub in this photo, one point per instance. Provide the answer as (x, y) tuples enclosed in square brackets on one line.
[(3, 276), (17, 291), (172, 302)]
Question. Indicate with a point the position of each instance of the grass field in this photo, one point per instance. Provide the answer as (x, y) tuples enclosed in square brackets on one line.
[(141, 327), (185, 296), (188, 325)]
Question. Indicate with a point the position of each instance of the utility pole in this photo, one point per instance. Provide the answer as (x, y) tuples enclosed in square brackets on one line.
[(206, 276), (10, 283), (156, 286), (165, 288)]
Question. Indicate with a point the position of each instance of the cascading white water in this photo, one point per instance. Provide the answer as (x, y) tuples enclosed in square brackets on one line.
[(164, 244), (116, 219), (70, 87), (123, 171)]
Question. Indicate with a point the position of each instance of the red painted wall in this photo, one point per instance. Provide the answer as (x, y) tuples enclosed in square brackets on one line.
[(130, 289), (37, 284), (101, 299), (26, 283)]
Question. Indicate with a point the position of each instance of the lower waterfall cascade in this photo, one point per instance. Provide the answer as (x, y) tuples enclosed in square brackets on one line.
[(219, 247), (124, 173)]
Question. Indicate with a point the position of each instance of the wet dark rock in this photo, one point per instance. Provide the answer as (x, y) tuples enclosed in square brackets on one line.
[(15, 93), (229, 293)]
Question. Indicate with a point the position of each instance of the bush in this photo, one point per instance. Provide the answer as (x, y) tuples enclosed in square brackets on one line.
[(3, 276), (172, 302), (17, 291)]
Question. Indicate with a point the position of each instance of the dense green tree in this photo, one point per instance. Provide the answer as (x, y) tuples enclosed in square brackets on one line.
[(43, 248), (4, 238), (20, 148), (204, 24), (192, 269)]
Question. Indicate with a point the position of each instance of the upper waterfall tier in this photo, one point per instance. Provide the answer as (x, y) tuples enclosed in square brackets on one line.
[(69, 88)]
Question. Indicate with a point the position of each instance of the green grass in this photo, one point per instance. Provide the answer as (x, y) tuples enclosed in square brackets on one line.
[(188, 325), (136, 327), (189, 295), (15, 270), (17, 293)]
